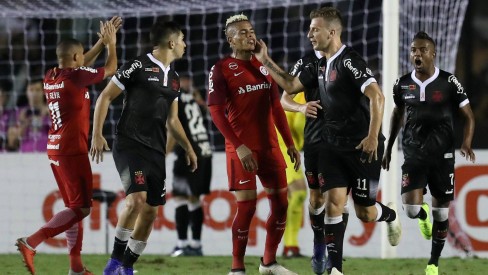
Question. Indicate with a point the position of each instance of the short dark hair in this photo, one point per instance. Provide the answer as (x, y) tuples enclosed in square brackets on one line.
[(161, 30), (328, 13), (66, 45), (423, 35)]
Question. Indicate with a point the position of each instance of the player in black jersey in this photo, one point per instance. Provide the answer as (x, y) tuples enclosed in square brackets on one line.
[(150, 88), (429, 97), (188, 186), (312, 138), (351, 140)]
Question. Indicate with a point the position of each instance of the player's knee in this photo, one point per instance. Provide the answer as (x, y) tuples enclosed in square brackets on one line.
[(149, 213), (193, 205), (412, 210), (440, 214), (135, 202), (316, 198), (365, 214)]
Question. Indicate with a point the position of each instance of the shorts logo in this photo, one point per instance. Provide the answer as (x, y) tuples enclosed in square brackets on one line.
[(405, 180), (139, 177), (311, 179), (244, 181), (321, 180)]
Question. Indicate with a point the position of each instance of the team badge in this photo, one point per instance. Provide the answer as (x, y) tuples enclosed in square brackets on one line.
[(437, 96), (263, 70), (321, 180), (405, 180), (333, 75), (233, 66), (310, 179), (139, 177), (412, 87)]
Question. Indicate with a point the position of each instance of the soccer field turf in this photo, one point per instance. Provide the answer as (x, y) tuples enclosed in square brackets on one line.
[(55, 264)]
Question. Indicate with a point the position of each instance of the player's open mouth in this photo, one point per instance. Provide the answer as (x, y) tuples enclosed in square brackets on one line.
[(418, 62)]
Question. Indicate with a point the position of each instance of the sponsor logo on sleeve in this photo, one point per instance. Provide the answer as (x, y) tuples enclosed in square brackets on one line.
[(136, 64), (88, 69), (355, 72), (210, 81), (297, 65), (452, 79)]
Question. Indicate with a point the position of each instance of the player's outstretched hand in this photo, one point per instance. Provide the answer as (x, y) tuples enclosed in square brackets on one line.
[(98, 145), (107, 33), (369, 146), (294, 157), (191, 160), (247, 160), (310, 108), (467, 152), (385, 162), (116, 22)]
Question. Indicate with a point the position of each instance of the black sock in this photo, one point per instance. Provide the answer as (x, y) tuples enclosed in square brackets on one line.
[(387, 214), (345, 218), (129, 258), (422, 214), (196, 220), (334, 239), (119, 248), (317, 222), (439, 234), (182, 220)]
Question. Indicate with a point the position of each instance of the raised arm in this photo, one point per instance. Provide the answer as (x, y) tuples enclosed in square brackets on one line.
[(177, 131), (287, 82), (92, 54), (99, 143), (466, 150)]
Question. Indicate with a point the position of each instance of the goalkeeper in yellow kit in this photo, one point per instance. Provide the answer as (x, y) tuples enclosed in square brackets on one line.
[(297, 187)]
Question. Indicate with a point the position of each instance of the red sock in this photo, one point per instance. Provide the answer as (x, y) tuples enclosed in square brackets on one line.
[(240, 231), (61, 222), (275, 225), (74, 237)]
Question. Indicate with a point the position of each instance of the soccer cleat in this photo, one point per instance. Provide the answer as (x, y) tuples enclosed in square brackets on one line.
[(425, 226), (237, 272), (275, 269), (84, 272), (335, 272), (122, 270), (394, 227), (111, 267), (318, 261), (431, 270), (192, 251), (178, 251), (27, 253)]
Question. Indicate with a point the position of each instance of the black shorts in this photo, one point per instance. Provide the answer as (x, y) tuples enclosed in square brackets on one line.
[(438, 176), (141, 169), (196, 183), (311, 161), (342, 168)]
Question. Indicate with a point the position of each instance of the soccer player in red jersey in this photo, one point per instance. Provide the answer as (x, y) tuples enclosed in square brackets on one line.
[(244, 103), (67, 148)]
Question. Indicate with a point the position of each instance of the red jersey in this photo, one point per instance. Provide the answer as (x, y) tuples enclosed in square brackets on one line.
[(69, 104), (247, 90)]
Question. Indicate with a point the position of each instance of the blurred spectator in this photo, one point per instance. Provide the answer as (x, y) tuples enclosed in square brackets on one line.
[(7, 115), (30, 132)]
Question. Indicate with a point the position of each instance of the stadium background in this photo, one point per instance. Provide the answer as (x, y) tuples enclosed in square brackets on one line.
[(27, 48)]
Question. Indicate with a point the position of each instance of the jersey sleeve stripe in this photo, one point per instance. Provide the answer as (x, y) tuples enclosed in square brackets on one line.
[(118, 83), (464, 103), (366, 83)]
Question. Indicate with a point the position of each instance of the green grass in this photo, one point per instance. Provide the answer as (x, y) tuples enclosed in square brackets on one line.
[(50, 264)]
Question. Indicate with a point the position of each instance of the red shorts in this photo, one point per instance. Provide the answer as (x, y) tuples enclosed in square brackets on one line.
[(271, 170), (74, 178)]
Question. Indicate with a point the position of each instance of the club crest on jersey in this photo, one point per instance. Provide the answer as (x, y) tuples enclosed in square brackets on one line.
[(263, 70), (332, 75), (139, 177), (175, 85), (233, 66), (437, 96)]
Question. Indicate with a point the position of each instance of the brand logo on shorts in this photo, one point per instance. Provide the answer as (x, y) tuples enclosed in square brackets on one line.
[(55, 162), (321, 180), (139, 177), (244, 181), (405, 180)]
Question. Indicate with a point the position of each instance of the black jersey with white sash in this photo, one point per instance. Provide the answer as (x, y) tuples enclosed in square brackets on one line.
[(149, 90), (430, 107)]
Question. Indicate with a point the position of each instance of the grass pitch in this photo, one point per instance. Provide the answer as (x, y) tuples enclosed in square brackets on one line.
[(55, 264)]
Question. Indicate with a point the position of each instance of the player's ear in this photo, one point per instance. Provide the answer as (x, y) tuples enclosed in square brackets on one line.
[(171, 44)]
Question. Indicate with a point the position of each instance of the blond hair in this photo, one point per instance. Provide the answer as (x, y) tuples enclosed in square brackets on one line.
[(235, 18)]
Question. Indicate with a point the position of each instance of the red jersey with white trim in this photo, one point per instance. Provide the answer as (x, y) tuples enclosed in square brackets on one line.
[(247, 90), (69, 105)]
